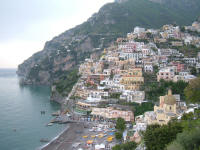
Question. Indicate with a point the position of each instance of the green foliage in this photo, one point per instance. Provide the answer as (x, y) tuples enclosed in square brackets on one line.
[(172, 39), (155, 68), (118, 135), (192, 91), (194, 33), (163, 45), (156, 89), (141, 40), (188, 116), (66, 82), (115, 95), (193, 71), (188, 140), (181, 134), (140, 109), (149, 35), (34, 73), (125, 146), (111, 75), (114, 20), (121, 124), (182, 28), (121, 18), (157, 137), (188, 50), (116, 147)]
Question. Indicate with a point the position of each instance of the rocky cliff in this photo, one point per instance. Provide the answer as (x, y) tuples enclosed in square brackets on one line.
[(113, 20)]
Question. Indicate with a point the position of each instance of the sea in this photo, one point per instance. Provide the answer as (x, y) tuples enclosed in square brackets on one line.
[(21, 124)]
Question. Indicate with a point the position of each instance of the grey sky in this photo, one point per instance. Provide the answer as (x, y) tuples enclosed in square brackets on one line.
[(27, 24)]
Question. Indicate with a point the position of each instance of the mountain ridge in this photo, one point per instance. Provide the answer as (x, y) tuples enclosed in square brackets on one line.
[(67, 50)]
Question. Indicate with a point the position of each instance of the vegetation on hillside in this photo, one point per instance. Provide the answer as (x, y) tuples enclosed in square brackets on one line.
[(139, 109), (125, 146), (156, 137), (120, 126), (156, 89), (188, 50), (176, 135), (112, 21), (192, 91), (66, 82)]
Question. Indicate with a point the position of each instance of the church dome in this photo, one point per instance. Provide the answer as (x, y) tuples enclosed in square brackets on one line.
[(170, 99)]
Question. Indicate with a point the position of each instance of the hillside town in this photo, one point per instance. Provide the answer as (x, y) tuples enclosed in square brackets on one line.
[(108, 86)]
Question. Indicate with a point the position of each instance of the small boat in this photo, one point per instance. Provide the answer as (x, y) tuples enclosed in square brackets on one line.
[(43, 140), (14, 130), (49, 124), (56, 113), (42, 112)]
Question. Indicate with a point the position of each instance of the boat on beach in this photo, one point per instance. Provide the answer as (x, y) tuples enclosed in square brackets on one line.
[(57, 113), (44, 140)]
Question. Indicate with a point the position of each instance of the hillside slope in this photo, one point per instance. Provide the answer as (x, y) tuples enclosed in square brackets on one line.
[(113, 20)]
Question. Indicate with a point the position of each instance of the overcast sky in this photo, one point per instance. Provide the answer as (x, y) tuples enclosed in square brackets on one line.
[(25, 25)]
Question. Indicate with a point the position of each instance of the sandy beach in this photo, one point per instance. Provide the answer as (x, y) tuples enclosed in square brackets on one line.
[(67, 138)]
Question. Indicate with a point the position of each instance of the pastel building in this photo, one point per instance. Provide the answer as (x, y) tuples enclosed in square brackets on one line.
[(166, 74), (113, 113), (184, 76), (132, 79)]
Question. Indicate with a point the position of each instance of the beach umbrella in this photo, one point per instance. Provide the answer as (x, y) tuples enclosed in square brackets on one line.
[(89, 141), (85, 136), (110, 138), (93, 136)]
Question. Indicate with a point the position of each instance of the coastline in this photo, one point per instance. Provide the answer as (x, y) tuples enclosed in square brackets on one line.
[(65, 139), (55, 138)]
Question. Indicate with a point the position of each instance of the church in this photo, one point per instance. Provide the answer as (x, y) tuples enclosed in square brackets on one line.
[(168, 109)]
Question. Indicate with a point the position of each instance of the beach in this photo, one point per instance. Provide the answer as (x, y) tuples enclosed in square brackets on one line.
[(65, 141), (84, 136)]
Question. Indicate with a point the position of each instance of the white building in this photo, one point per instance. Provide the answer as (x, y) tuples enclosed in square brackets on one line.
[(133, 96), (148, 68), (135, 56), (140, 126), (190, 61), (138, 30), (96, 96)]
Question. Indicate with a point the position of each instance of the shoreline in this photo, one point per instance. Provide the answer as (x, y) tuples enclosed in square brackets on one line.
[(53, 139), (65, 139)]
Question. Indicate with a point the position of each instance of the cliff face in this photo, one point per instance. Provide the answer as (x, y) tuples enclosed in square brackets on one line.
[(69, 49)]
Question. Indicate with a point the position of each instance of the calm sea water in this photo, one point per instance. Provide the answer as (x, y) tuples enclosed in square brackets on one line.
[(20, 110)]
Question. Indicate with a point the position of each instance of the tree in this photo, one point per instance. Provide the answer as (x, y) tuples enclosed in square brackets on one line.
[(118, 135), (188, 116), (193, 71), (182, 28), (149, 35), (192, 91), (125, 146), (121, 124), (129, 146), (188, 140), (116, 147), (157, 137)]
